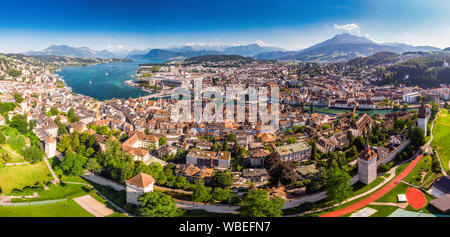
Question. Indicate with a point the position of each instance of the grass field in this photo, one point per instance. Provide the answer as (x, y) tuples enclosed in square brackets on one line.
[(382, 211), (360, 188), (14, 158), (424, 165), (60, 209), (59, 191), (12, 177), (441, 140)]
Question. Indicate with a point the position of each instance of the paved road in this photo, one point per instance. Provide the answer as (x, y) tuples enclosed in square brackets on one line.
[(384, 190)]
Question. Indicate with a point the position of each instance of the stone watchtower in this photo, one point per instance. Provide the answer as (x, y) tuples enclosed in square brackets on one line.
[(367, 165), (137, 186), (422, 119), (50, 147)]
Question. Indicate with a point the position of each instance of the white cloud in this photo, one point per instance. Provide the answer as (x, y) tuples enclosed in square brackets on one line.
[(348, 27)]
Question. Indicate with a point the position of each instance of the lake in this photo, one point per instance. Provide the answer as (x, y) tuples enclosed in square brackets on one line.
[(103, 81)]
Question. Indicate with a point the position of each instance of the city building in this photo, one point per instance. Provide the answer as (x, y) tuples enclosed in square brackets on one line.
[(299, 151), (210, 159)]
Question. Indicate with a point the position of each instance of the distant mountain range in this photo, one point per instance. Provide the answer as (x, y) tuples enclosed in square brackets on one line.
[(68, 51), (342, 47), (189, 51)]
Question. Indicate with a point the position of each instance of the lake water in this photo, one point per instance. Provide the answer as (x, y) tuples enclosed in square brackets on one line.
[(103, 81)]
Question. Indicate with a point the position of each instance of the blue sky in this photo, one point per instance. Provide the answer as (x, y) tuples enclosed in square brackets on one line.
[(119, 25)]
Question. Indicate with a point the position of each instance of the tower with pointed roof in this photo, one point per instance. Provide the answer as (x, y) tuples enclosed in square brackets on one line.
[(138, 185), (367, 164), (50, 147), (422, 118)]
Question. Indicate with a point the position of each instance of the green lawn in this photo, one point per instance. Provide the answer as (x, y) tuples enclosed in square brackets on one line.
[(382, 211), (334, 208), (14, 158), (391, 196), (360, 188), (415, 176), (401, 168), (67, 208), (12, 177), (441, 141), (59, 191), (68, 191)]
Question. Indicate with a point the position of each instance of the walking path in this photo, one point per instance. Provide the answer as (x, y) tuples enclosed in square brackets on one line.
[(401, 205), (55, 178), (13, 152), (378, 194), (8, 199), (217, 208), (20, 163), (93, 206), (391, 176), (116, 206)]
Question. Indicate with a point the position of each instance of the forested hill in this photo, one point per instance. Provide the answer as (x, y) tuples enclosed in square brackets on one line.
[(218, 58), (375, 59), (427, 71)]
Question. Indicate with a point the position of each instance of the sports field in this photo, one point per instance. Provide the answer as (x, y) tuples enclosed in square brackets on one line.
[(441, 140)]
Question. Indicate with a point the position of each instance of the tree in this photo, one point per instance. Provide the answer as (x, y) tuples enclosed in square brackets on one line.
[(350, 137), (221, 179), (291, 140), (16, 142), (352, 152), (239, 153), (33, 154), (162, 141), (73, 163), (360, 143), (225, 195), (231, 137), (71, 115), (93, 165), (311, 108), (157, 204), (20, 123), (257, 204), (283, 172), (314, 151), (2, 139), (18, 97), (337, 184), (226, 147), (201, 192), (417, 137)]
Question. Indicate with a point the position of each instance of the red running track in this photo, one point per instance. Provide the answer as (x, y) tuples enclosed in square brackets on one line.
[(376, 195), (416, 198)]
